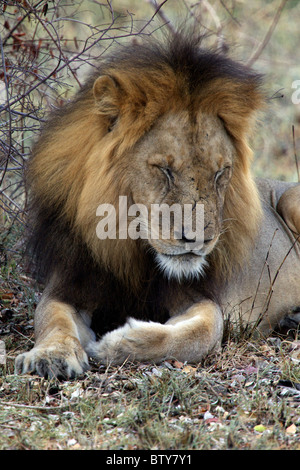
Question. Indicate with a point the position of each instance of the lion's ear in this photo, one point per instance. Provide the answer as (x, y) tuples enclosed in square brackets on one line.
[(107, 96)]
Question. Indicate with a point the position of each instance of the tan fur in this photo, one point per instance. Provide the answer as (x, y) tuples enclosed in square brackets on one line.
[(179, 337), (288, 208), (128, 126), (59, 343)]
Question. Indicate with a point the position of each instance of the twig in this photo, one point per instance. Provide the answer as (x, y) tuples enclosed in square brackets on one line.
[(159, 12), (295, 154), (56, 42), (297, 239), (156, 13), (266, 264), (267, 37), (229, 13), (18, 24), (34, 407), (9, 113)]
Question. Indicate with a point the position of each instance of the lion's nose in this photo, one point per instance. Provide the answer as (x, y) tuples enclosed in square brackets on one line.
[(186, 235), (186, 238), (181, 235)]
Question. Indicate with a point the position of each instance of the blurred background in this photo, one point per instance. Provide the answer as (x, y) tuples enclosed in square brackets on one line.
[(48, 47)]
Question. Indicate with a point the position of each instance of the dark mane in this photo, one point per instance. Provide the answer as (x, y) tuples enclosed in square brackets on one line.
[(184, 55)]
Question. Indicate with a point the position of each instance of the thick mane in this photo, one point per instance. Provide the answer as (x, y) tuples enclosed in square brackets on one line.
[(77, 164)]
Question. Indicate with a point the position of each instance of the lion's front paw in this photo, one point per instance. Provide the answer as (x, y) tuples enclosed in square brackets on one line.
[(63, 359), (136, 340)]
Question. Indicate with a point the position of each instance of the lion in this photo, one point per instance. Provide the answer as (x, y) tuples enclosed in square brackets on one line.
[(158, 123)]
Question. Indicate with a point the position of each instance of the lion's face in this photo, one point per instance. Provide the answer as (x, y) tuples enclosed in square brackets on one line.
[(187, 162)]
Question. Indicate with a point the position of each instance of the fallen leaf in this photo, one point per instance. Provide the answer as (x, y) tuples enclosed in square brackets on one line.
[(259, 428), (212, 420), (178, 364), (6, 295), (292, 429), (189, 370)]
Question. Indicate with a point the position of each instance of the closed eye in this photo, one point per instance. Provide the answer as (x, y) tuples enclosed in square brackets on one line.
[(218, 174), (168, 173), (225, 172)]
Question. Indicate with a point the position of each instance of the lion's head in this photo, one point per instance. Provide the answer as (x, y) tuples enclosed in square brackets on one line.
[(159, 124), (181, 162)]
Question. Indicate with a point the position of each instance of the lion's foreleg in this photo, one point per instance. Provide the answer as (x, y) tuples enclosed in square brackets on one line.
[(289, 208), (61, 336), (187, 337)]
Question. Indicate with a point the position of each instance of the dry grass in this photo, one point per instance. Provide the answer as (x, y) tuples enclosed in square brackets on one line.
[(245, 397)]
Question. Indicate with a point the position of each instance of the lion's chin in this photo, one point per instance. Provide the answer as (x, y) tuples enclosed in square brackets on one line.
[(182, 267)]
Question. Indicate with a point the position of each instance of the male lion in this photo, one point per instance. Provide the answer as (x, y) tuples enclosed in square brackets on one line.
[(158, 124)]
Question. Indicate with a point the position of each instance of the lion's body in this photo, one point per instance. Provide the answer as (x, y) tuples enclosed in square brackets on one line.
[(157, 125), (267, 288)]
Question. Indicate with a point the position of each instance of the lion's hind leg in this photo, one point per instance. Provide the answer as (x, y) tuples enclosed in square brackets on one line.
[(289, 208), (60, 337), (187, 337)]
